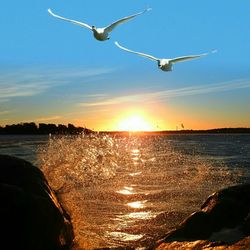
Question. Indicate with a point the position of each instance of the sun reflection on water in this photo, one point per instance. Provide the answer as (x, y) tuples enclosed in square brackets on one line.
[(137, 204), (125, 236), (135, 174), (135, 151), (135, 156), (145, 215), (126, 191)]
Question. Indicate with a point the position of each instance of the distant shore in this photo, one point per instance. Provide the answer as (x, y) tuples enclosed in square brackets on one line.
[(176, 132), (32, 128), (60, 129)]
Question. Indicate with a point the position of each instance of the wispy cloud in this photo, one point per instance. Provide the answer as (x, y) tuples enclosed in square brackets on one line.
[(30, 82), (12, 89), (117, 100), (172, 93), (48, 118), (23, 83), (5, 112), (100, 95)]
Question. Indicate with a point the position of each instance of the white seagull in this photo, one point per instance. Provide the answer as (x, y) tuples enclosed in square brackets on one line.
[(100, 34), (164, 63)]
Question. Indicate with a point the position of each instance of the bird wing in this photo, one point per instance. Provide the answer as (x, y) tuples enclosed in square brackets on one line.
[(138, 53), (69, 20), (123, 20), (186, 58)]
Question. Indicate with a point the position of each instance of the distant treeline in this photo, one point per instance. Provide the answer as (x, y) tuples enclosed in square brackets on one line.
[(227, 130), (42, 128), (184, 131), (214, 131)]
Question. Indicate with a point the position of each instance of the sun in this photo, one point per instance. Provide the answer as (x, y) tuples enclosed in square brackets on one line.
[(135, 123)]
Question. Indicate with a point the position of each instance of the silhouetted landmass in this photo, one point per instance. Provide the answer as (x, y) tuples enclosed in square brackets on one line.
[(209, 131), (173, 132), (42, 128)]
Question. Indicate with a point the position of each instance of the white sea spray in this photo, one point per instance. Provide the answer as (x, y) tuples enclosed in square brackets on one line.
[(117, 189)]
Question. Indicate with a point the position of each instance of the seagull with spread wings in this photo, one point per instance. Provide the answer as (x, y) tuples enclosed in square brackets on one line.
[(100, 34), (164, 63)]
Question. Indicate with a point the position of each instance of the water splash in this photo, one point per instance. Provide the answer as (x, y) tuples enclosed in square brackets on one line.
[(78, 161), (127, 191)]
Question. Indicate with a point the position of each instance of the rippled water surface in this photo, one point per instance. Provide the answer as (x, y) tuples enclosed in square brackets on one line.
[(128, 191)]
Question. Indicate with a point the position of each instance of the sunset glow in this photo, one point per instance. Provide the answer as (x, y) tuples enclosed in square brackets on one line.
[(135, 123)]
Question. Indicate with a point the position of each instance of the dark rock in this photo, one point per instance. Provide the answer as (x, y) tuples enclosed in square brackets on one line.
[(226, 209), (191, 228), (246, 225), (205, 245), (31, 216)]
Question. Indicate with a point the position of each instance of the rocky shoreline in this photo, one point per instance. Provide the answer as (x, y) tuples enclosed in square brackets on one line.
[(34, 219), (222, 223), (206, 245)]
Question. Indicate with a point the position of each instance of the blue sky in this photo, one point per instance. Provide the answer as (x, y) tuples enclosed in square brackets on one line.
[(54, 71)]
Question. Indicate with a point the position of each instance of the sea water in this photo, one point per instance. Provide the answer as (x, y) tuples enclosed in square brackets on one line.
[(128, 191)]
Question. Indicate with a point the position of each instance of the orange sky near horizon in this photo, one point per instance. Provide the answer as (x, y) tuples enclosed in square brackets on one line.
[(159, 118), (148, 118)]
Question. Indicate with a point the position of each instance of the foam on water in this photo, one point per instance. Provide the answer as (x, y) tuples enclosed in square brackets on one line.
[(127, 191)]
